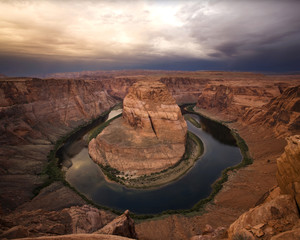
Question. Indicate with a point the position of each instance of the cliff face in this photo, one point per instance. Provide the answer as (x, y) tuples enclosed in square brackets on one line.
[(228, 99), (34, 113), (288, 168), (151, 108), (31, 109), (282, 113), (151, 136)]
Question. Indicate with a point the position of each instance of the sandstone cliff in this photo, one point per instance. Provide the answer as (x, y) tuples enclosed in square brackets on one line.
[(34, 113), (229, 99), (151, 136), (288, 168), (282, 113)]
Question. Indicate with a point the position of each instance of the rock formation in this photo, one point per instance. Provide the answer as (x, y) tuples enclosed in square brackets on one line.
[(122, 225), (74, 220), (268, 219), (81, 237), (282, 113), (226, 99), (149, 138), (288, 168), (34, 113), (278, 216)]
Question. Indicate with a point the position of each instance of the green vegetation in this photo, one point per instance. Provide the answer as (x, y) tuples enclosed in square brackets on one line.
[(192, 120)]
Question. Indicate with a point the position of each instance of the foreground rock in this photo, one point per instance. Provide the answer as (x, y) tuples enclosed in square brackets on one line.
[(73, 220), (278, 216), (288, 165), (266, 220), (122, 225), (81, 237), (85, 219), (151, 136)]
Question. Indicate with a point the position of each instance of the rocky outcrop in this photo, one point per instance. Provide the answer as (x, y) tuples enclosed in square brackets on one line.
[(266, 220), (151, 136), (74, 220), (151, 108), (288, 168), (81, 237), (219, 97), (278, 216), (208, 233), (282, 113), (122, 225), (227, 99)]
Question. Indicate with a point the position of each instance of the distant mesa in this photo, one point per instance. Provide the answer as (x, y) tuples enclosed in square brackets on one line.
[(149, 138)]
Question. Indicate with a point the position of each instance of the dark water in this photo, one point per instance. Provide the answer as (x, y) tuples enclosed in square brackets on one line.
[(218, 154)]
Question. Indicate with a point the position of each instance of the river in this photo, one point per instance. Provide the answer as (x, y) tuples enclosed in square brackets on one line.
[(220, 152)]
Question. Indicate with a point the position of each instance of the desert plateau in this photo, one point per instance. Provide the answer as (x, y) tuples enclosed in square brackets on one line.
[(262, 109), (150, 120)]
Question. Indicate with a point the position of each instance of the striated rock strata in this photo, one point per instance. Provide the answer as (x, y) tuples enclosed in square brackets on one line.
[(149, 138), (282, 113), (34, 113), (288, 168)]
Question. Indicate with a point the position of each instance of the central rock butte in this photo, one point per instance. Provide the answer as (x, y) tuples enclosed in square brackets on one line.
[(149, 138)]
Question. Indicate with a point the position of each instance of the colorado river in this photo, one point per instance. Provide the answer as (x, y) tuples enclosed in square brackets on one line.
[(87, 178)]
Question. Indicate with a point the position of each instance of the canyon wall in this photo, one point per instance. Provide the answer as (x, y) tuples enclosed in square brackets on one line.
[(34, 114), (282, 113), (288, 168)]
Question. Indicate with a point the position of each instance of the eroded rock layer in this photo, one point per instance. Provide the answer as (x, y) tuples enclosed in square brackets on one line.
[(288, 168), (149, 138)]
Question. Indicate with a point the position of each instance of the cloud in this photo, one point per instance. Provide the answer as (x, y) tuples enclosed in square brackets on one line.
[(136, 33)]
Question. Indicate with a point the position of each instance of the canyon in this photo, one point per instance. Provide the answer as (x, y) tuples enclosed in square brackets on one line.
[(35, 113), (149, 138)]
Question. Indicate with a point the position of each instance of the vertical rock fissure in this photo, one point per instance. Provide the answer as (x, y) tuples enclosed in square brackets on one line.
[(152, 126)]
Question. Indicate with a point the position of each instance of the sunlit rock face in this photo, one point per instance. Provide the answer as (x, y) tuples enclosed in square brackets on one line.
[(152, 108), (150, 136), (288, 168)]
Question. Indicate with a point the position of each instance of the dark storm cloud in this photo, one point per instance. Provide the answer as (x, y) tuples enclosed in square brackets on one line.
[(50, 36)]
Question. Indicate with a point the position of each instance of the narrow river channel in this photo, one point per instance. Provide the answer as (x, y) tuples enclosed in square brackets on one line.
[(83, 174)]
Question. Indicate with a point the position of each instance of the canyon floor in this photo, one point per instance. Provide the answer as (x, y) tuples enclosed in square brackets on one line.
[(35, 113)]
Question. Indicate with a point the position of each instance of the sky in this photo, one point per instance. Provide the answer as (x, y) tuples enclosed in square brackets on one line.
[(47, 36)]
